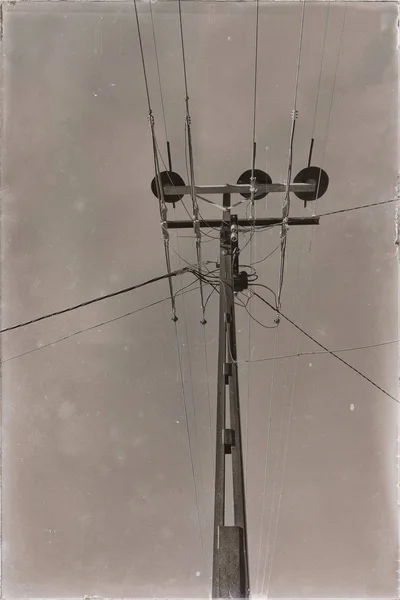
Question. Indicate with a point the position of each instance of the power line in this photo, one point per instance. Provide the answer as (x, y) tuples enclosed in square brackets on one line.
[(188, 434), (194, 414), (321, 67), (377, 345), (114, 319), (336, 212), (158, 72), (196, 226), (286, 201), (253, 216), (142, 57), (98, 299), (158, 182), (327, 350), (268, 255), (289, 421), (329, 116), (266, 469), (267, 288)]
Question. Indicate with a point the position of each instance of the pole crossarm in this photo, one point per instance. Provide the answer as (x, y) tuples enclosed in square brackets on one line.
[(261, 222), (171, 190)]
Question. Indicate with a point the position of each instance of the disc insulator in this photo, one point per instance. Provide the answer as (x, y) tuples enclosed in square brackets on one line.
[(168, 178), (261, 178), (312, 175)]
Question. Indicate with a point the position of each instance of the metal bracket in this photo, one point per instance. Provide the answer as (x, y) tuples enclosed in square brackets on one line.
[(228, 440)]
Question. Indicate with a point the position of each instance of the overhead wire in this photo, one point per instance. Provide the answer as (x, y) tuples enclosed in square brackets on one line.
[(109, 321), (253, 218), (329, 117), (183, 204), (196, 226), (192, 218), (267, 288), (98, 325), (97, 299), (158, 73), (270, 547), (329, 351), (282, 470), (204, 305), (263, 505), (344, 210), (257, 262), (160, 191), (320, 78), (196, 423), (188, 435), (286, 201), (349, 349)]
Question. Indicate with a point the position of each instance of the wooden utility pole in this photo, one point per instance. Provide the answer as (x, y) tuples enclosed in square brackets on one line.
[(230, 578)]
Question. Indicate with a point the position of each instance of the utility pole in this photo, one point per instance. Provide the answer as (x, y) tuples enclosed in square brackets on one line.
[(230, 577)]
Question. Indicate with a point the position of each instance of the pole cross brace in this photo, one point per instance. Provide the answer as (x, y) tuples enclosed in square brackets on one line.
[(172, 190), (261, 222)]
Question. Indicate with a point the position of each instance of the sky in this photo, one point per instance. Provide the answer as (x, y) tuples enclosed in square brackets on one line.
[(98, 493)]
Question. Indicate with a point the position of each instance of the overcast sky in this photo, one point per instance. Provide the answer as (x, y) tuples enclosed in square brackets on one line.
[(98, 493)]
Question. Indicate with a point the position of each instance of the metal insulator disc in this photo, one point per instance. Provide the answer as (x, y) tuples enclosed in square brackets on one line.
[(261, 177), (168, 178), (312, 175)]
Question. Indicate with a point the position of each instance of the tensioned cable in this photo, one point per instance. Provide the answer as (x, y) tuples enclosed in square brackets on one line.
[(268, 255), (188, 434), (329, 351), (196, 424), (209, 274), (265, 287), (208, 391), (183, 204), (42, 347), (257, 321), (329, 118), (196, 226), (197, 195), (320, 74), (159, 186), (192, 218), (97, 299), (128, 314), (377, 345), (158, 72), (253, 217), (286, 201), (272, 526), (291, 403), (344, 210), (268, 358), (266, 459)]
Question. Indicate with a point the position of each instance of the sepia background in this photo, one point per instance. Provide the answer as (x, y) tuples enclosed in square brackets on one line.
[(98, 495)]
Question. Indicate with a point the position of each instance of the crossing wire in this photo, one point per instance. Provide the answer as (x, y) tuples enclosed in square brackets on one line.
[(253, 217), (196, 225), (160, 191), (320, 72), (286, 202), (271, 391), (97, 299), (158, 73), (188, 435), (328, 351), (291, 403), (329, 116)]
